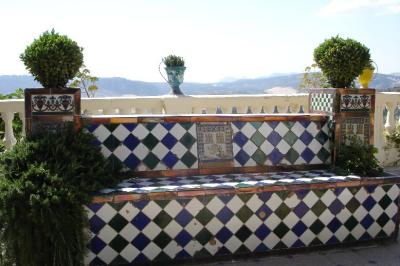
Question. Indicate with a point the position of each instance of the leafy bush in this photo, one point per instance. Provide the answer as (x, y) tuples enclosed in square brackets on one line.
[(173, 61), (53, 59), (44, 182), (357, 158), (394, 136), (341, 60)]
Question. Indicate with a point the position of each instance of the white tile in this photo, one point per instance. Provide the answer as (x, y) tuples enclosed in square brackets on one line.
[(291, 220), (101, 133), (272, 221), (129, 232), (233, 244), (328, 197), (179, 150), (313, 129), (106, 212), (271, 240), (151, 210), (250, 147), (343, 215), (281, 129), (194, 206), (389, 227), (214, 247), (122, 152), (107, 254), (193, 227), (160, 150), (374, 229), (193, 247), (151, 251), (391, 210), (376, 211), (214, 226), (266, 147), (252, 242), (129, 253), (234, 224), (105, 151), (107, 234), (253, 223), (307, 237), (152, 230), (141, 151), (254, 203), (358, 231), (378, 193), (159, 131), (292, 200), (215, 205), (283, 147), (297, 129), (360, 213), (235, 204), (178, 131), (89, 256), (172, 249), (265, 129), (310, 199), (393, 192), (326, 217), (345, 196), (121, 132), (325, 235), (309, 218), (192, 130), (173, 208), (299, 146), (289, 238), (315, 146), (248, 130), (140, 132), (274, 202), (342, 233), (173, 229)]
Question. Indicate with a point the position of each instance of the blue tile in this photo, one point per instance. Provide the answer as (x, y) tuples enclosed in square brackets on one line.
[(94, 207), (169, 141), (334, 225), (307, 155), (366, 236), (91, 128), (301, 209), (261, 248), (301, 194), (183, 217), (263, 212), (97, 262), (167, 125), (299, 228), (140, 221), (140, 259), (274, 138), (275, 156), (262, 232), (242, 157), (264, 196), (224, 215), (131, 142), (97, 245), (335, 207), (367, 221), (370, 189), (239, 124), (298, 244), (273, 124), (140, 241), (132, 161), (140, 204), (96, 224), (130, 126), (222, 251), (170, 159), (182, 255), (306, 137), (183, 238), (369, 203), (225, 198), (333, 240), (223, 235), (240, 139), (305, 123)]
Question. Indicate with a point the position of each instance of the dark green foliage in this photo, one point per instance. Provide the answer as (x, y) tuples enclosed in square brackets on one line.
[(173, 61), (45, 180), (357, 158), (341, 60), (53, 59)]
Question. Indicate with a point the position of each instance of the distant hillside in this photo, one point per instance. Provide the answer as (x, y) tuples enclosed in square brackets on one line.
[(121, 86)]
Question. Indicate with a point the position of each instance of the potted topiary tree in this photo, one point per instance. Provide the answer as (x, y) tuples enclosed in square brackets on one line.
[(175, 68), (341, 60), (53, 60)]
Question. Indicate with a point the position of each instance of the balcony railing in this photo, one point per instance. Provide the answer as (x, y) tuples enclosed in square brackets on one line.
[(387, 105)]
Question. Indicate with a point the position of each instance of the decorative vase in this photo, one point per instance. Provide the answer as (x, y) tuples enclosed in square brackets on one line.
[(175, 78), (366, 77)]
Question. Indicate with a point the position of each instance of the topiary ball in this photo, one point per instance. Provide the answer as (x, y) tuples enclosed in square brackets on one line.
[(53, 59), (341, 60)]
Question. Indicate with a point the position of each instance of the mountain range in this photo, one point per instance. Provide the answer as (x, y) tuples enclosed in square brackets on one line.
[(117, 86)]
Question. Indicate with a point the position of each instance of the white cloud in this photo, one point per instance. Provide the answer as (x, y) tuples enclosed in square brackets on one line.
[(377, 7)]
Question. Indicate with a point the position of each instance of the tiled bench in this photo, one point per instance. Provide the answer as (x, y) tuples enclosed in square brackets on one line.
[(223, 185)]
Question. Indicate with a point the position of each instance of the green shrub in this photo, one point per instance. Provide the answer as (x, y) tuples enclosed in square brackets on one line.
[(357, 158), (341, 60), (394, 136), (45, 180), (53, 59), (173, 61)]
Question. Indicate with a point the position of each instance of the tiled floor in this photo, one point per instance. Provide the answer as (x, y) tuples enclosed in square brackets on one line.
[(161, 184)]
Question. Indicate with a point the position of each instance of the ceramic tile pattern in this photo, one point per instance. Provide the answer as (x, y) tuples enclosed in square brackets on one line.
[(276, 142), (355, 102), (215, 225), (322, 102), (149, 146)]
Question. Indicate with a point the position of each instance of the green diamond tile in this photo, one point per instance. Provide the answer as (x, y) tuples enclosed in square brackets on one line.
[(386, 188), (244, 213), (290, 138), (111, 127), (162, 219), (150, 126), (111, 143), (245, 197), (319, 192), (382, 234), (187, 140), (385, 202), (280, 245), (292, 156), (259, 157), (242, 250), (256, 125), (318, 208), (204, 236), (151, 160), (118, 222), (353, 205), (119, 260), (281, 230), (289, 124), (162, 203), (202, 253), (323, 154), (258, 138), (350, 238), (282, 194), (282, 211), (162, 240), (162, 258), (150, 141), (188, 159), (351, 223), (383, 219), (187, 125), (316, 242), (322, 137), (317, 227), (243, 233), (204, 216), (206, 199), (118, 243), (354, 190)]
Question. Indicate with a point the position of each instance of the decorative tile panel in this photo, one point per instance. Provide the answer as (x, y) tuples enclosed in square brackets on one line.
[(215, 225), (280, 142), (52, 103), (356, 126), (149, 146), (322, 102), (214, 144), (355, 102)]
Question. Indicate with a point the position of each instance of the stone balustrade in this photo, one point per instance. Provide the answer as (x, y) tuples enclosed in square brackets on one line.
[(385, 114)]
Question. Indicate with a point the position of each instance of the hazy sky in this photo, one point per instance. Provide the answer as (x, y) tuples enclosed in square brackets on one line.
[(217, 38)]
